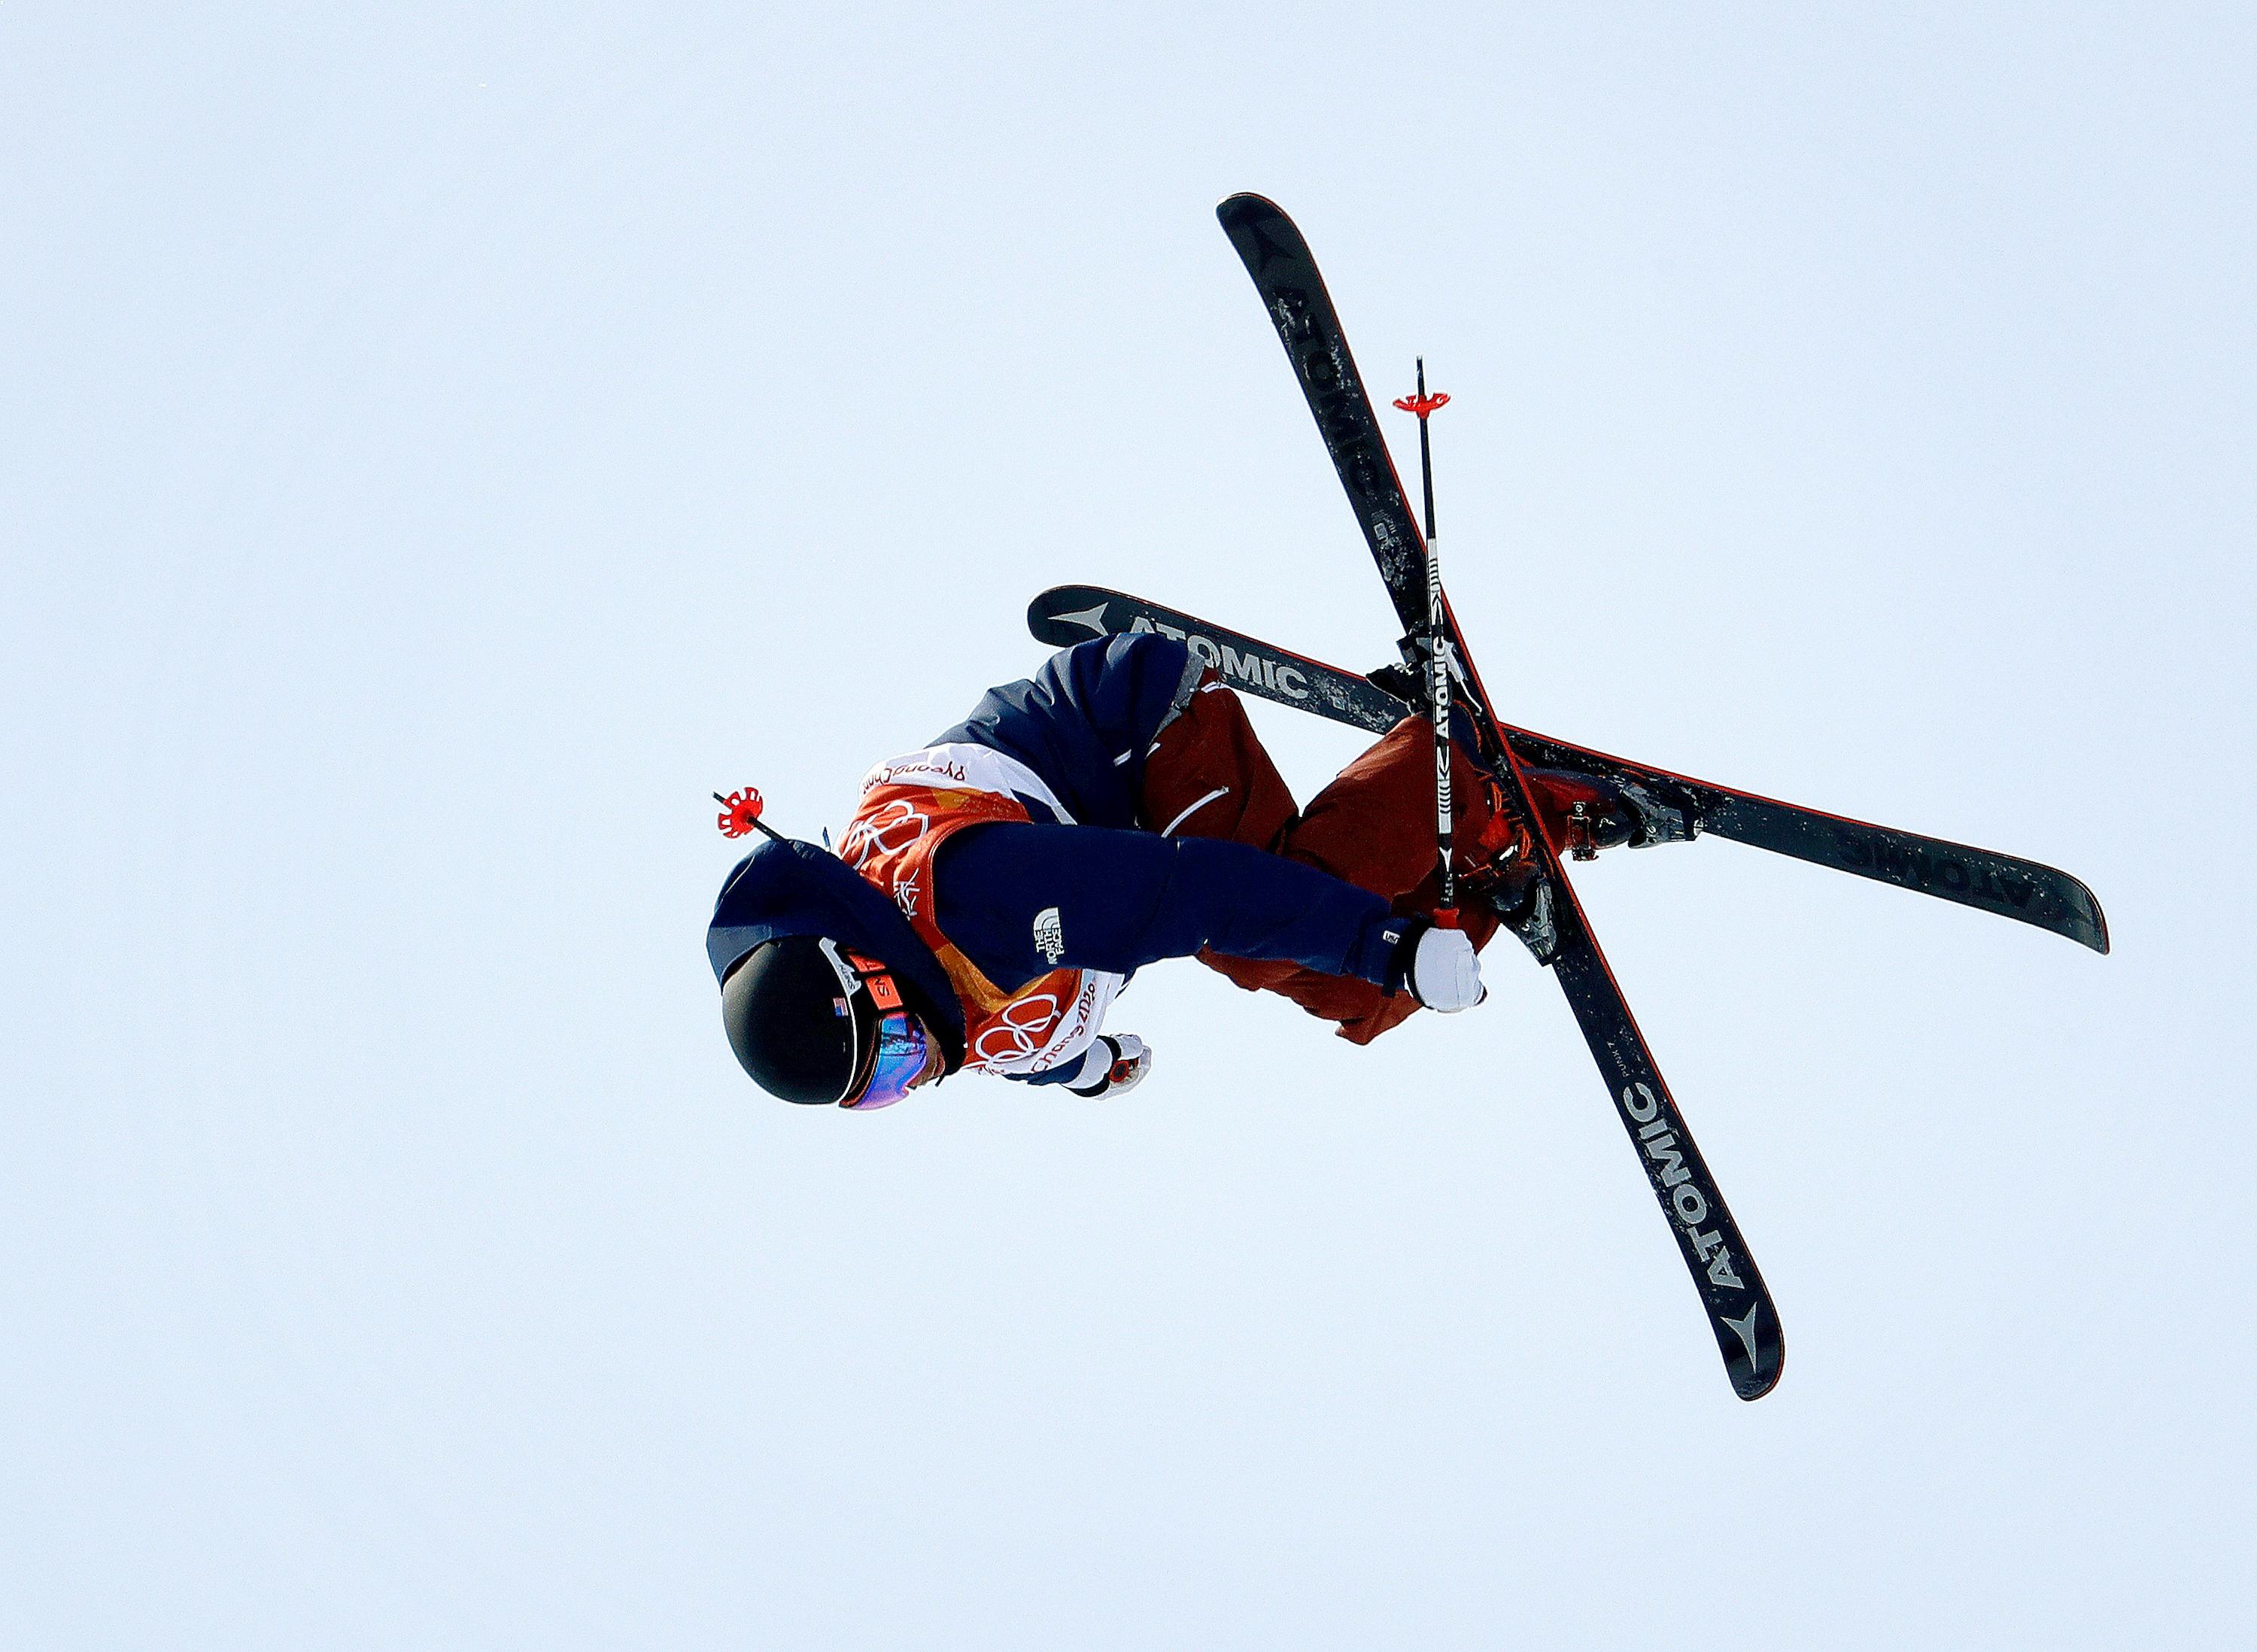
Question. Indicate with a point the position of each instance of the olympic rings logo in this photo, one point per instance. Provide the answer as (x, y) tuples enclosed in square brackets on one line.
[(1019, 1036), (883, 833)]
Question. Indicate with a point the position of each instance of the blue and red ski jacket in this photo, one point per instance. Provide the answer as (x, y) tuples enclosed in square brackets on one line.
[(1082, 882)]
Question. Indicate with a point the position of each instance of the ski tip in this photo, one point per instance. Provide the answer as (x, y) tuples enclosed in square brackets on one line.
[(2067, 906), (2072, 909), (1256, 223), (1065, 615), (2093, 931), (1244, 202)]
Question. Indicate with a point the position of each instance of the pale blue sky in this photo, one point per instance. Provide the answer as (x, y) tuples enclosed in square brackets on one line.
[(443, 444)]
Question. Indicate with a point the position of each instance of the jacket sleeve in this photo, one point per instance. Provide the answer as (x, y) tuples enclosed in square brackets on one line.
[(1126, 898)]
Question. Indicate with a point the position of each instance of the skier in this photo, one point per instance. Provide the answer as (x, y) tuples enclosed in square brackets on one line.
[(993, 893)]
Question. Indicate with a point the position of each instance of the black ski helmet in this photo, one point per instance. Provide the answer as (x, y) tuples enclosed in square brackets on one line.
[(790, 1022)]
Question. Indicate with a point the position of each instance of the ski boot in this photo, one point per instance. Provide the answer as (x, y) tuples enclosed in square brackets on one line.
[(1407, 682), (1583, 813), (1586, 813), (1512, 886)]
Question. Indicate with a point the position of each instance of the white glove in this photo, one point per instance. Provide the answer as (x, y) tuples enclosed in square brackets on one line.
[(1114, 1067), (1445, 971)]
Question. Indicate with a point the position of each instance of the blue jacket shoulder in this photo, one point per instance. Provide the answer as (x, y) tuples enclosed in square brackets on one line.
[(1087, 719)]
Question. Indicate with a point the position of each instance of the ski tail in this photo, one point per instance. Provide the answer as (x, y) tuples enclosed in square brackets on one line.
[(1741, 1314)]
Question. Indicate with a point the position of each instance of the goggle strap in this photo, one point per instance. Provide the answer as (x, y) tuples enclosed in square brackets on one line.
[(862, 979), (850, 983)]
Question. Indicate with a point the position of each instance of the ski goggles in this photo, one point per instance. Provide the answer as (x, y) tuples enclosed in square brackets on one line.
[(891, 1048)]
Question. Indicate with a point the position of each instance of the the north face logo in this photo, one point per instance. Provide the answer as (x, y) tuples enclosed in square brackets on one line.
[(1049, 936)]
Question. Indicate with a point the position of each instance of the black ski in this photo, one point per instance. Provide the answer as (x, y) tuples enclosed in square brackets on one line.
[(1741, 1313), (1067, 614), (2022, 890)]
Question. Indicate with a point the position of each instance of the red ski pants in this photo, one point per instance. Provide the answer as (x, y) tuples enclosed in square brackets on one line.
[(1374, 827)]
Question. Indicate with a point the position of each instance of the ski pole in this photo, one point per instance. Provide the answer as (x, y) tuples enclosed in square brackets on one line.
[(740, 815), (1438, 662)]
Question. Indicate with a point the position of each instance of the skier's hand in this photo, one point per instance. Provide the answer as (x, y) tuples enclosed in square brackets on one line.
[(1114, 1067), (1443, 971)]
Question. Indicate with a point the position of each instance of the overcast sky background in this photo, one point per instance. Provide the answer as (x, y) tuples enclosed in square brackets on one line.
[(443, 444)]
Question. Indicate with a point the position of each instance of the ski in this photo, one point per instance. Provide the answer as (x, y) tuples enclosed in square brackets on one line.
[(1741, 1314), (1067, 614), (2022, 890)]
